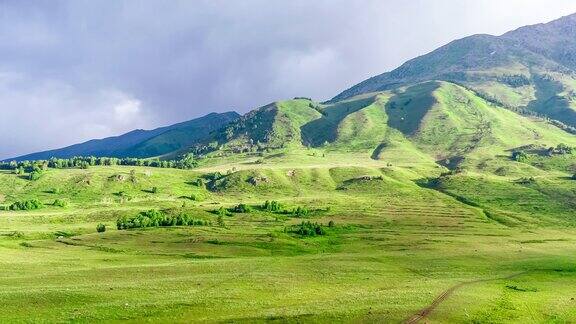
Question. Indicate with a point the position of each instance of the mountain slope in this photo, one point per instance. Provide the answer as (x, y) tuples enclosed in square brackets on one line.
[(143, 143), (554, 40), (434, 122), (531, 70), (273, 126)]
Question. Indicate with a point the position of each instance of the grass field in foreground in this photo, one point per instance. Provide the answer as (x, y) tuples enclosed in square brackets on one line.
[(394, 248)]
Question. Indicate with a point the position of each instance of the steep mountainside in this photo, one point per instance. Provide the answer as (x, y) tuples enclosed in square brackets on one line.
[(530, 70), (143, 143)]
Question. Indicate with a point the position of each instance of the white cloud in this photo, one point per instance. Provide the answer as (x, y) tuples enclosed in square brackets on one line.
[(127, 110), (39, 114)]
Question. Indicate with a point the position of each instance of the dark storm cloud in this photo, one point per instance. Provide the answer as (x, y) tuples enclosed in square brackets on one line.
[(75, 70)]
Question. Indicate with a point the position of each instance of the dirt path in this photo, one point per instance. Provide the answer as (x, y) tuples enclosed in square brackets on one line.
[(425, 312)]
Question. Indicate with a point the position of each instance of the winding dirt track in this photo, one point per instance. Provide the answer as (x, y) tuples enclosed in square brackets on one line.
[(425, 312)]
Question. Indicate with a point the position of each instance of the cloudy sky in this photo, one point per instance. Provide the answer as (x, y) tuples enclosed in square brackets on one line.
[(75, 70)]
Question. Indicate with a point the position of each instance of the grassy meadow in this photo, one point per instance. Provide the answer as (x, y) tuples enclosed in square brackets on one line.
[(394, 247), (422, 204)]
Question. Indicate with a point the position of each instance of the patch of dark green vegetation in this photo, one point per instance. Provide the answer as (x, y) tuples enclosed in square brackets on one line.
[(275, 207), (241, 209), (37, 167), (268, 206), (31, 204), (100, 228), (156, 218), (561, 157), (310, 229)]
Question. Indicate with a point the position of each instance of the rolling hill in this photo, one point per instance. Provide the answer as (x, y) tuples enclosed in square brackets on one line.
[(435, 122)]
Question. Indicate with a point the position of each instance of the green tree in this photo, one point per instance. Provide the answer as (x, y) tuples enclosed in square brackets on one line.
[(101, 228)]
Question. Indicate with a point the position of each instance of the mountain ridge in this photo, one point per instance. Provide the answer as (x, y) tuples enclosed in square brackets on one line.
[(132, 144), (510, 69)]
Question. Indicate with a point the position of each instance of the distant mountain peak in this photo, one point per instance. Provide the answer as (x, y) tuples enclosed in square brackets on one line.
[(532, 68)]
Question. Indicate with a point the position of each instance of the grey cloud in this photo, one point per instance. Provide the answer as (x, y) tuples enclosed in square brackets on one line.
[(74, 70)]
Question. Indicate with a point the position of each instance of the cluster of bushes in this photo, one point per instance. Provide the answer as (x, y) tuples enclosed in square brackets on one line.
[(198, 183), (26, 205), (519, 156), (309, 229), (271, 206), (35, 175), (223, 212), (186, 162), (275, 207), (241, 208), (156, 218), (300, 211), (515, 81), (561, 149), (34, 170)]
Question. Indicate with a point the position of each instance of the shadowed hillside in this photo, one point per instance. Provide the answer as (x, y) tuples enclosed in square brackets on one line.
[(143, 143)]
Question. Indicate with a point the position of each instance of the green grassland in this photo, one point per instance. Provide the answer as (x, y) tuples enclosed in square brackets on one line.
[(418, 183)]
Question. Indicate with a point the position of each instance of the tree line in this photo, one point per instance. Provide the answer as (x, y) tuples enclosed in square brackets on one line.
[(158, 218), (35, 168)]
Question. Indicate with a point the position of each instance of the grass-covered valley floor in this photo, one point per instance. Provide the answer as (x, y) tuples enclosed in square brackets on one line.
[(393, 246), (424, 203)]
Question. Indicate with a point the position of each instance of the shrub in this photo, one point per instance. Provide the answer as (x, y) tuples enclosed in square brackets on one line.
[(300, 211), (154, 190), (198, 183), (273, 206), (222, 212), (561, 149), (309, 229), (101, 228), (60, 203), (34, 175), (331, 224), (26, 205), (519, 156), (213, 176), (241, 208)]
